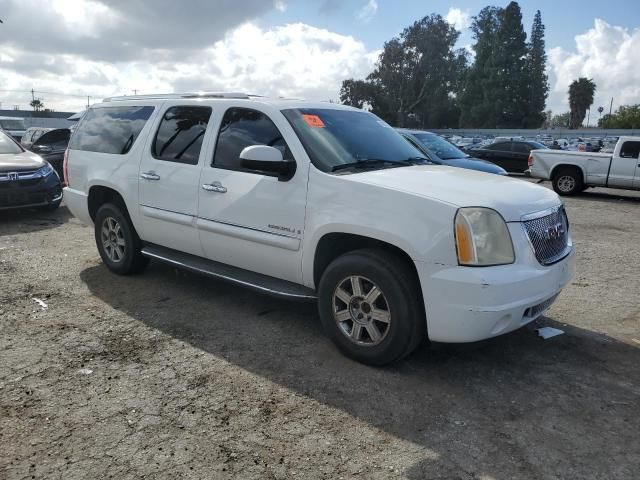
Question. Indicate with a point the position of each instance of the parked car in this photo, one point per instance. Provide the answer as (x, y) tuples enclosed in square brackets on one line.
[(31, 134), (322, 202), (51, 147), (510, 155), (14, 126), (26, 180), (572, 172), (440, 151)]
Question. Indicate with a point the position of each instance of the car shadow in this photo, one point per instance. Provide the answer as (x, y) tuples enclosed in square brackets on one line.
[(32, 220), (513, 407)]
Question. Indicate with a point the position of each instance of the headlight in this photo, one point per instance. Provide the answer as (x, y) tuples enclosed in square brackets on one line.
[(46, 170), (482, 238)]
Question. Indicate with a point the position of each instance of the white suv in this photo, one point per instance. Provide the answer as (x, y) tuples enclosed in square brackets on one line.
[(318, 201)]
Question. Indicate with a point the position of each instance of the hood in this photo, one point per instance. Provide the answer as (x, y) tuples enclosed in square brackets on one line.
[(475, 164), (20, 161), (511, 197)]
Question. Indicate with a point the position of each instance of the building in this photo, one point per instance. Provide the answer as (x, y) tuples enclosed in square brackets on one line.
[(43, 119)]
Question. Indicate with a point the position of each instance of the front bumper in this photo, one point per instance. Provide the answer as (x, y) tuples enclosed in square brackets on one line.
[(467, 304), (44, 192)]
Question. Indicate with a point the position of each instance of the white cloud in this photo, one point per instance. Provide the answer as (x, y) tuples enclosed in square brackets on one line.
[(293, 60), (280, 5), (458, 18), (608, 54), (368, 11)]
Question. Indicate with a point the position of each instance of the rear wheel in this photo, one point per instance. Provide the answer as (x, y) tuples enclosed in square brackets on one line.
[(370, 306), (117, 241), (568, 182)]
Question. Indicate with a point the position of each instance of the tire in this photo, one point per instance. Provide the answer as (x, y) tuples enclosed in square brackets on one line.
[(568, 182), (117, 241), (353, 323)]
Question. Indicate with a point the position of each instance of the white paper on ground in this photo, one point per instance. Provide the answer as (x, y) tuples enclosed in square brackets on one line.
[(43, 305), (549, 332)]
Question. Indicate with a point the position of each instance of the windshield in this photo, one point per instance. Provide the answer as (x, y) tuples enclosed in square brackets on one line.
[(8, 146), (537, 145), (439, 146), (12, 124), (334, 137)]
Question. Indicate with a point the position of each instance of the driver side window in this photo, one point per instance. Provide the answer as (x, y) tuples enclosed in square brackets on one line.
[(241, 128), (630, 150)]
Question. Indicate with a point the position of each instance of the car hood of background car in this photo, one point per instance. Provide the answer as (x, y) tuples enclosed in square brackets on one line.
[(512, 198), (20, 161), (475, 164)]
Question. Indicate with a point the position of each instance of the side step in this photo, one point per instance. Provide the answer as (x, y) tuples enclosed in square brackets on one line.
[(245, 278)]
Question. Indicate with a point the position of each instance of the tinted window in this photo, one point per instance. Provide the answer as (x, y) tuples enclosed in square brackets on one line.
[(441, 147), (110, 129), (179, 137), (519, 147), (630, 150), (241, 128), (335, 137), (55, 138), (7, 145), (502, 146)]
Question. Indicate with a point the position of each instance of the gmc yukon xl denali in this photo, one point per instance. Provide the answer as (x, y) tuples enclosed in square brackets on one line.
[(322, 202)]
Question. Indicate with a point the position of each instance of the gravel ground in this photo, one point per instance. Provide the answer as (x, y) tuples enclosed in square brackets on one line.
[(171, 375)]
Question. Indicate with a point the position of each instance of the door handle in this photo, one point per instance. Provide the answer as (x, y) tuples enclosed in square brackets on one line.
[(150, 175), (214, 187)]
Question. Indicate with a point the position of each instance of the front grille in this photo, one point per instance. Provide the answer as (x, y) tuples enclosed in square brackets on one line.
[(23, 178), (549, 236), (537, 310)]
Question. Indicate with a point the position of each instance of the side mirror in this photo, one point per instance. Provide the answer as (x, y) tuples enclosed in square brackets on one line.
[(267, 160)]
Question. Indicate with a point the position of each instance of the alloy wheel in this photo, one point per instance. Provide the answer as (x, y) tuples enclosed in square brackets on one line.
[(113, 241)]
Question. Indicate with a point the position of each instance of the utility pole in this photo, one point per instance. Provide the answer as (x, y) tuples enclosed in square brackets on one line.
[(88, 99), (610, 109), (135, 91), (33, 96)]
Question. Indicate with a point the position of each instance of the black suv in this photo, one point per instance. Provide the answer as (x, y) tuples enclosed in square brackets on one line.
[(51, 147)]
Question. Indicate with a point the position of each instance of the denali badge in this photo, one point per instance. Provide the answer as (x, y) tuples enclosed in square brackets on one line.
[(555, 231), (13, 176)]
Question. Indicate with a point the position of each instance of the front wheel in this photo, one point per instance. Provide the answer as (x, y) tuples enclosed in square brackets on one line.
[(568, 182), (117, 241), (371, 307)]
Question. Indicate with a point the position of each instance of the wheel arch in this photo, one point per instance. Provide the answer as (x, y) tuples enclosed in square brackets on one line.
[(564, 166), (100, 194)]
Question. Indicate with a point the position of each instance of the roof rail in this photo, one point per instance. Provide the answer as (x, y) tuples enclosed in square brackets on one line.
[(163, 96)]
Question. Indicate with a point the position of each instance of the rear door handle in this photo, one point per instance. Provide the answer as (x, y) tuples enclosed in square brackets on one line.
[(214, 187), (150, 176)]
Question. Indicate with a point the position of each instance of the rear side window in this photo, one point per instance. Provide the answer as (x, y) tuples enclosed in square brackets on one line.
[(503, 146), (241, 128), (54, 138), (519, 147), (179, 137), (110, 129), (630, 150)]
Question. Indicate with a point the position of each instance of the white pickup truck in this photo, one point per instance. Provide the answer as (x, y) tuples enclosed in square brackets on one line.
[(322, 202), (573, 172)]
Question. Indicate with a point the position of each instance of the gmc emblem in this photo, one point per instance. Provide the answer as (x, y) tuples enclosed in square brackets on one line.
[(555, 232)]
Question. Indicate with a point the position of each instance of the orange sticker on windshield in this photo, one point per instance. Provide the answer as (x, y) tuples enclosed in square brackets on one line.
[(313, 121)]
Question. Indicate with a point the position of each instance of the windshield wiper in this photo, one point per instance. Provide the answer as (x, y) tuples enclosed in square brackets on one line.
[(378, 162)]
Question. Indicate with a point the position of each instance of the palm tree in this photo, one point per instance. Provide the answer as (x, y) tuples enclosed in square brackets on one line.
[(581, 93)]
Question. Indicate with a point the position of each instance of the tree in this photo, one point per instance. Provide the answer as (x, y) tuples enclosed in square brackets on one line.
[(581, 93), (561, 121), (356, 93), (478, 92), (627, 116), (416, 76), (538, 82), (496, 89)]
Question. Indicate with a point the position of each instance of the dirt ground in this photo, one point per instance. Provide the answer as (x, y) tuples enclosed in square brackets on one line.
[(171, 375)]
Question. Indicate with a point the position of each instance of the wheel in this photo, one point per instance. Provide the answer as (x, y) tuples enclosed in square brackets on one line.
[(117, 241), (371, 307), (568, 182)]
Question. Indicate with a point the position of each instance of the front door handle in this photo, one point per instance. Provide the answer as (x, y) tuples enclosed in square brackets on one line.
[(214, 187), (150, 175)]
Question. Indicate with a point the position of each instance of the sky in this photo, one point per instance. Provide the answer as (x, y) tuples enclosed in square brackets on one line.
[(72, 49)]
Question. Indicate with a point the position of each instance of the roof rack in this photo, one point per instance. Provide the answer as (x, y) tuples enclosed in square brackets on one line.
[(163, 96)]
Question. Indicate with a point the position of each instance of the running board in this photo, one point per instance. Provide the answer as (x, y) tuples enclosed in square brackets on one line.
[(245, 278)]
